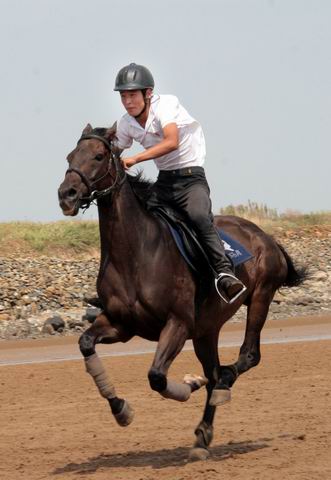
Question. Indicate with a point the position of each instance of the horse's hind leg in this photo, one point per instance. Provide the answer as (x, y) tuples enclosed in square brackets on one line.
[(206, 351), (103, 332), (171, 342), (249, 355)]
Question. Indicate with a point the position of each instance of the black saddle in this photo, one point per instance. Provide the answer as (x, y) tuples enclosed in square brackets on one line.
[(186, 240)]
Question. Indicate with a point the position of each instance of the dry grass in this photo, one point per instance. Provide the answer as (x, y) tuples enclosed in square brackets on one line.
[(47, 238), (269, 218), (82, 237)]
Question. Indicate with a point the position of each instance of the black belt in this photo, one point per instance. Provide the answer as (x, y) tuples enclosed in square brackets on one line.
[(181, 171)]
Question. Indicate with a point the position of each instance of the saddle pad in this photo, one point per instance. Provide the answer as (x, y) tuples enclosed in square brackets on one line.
[(233, 249)]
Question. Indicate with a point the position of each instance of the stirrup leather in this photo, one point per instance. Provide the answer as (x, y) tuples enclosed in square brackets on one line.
[(232, 300)]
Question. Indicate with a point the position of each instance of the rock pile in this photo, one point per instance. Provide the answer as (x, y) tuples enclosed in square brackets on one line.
[(36, 288), (32, 289)]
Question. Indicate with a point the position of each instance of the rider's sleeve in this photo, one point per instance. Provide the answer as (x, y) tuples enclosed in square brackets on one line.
[(168, 111), (124, 140)]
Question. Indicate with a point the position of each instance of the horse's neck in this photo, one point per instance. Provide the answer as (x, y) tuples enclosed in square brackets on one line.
[(123, 224)]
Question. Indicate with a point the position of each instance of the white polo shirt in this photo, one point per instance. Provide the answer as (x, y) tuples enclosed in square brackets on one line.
[(165, 109)]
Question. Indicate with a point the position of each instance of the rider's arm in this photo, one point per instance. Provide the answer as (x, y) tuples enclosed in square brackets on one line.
[(167, 145)]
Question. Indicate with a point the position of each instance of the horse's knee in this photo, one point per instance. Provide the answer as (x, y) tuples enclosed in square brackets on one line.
[(157, 380), (86, 344), (253, 358), (248, 360)]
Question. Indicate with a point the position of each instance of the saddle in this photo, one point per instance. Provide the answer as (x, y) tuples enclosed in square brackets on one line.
[(190, 247)]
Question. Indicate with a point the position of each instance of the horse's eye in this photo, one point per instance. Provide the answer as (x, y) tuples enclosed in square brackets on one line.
[(99, 157)]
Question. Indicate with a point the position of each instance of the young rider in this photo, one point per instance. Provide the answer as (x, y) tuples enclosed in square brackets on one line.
[(175, 141)]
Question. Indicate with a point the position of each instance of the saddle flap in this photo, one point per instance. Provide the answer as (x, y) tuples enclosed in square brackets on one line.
[(190, 247)]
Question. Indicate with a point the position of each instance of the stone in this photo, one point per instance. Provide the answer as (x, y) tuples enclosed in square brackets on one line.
[(34, 308), (304, 300), (47, 328), (73, 323), (26, 300), (56, 322), (278, 298), (320, 276), (91, 314)]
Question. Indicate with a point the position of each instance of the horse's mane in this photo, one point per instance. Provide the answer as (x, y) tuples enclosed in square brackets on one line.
[(141, 186)]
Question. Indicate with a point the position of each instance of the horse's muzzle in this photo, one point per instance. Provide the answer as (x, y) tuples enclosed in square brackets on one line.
[(69, 200)]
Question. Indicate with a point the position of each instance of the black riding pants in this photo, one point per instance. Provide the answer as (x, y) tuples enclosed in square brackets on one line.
[(186, 190)]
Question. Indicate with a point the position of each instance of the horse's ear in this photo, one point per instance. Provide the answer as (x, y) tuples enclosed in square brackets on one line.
[(88, 129), (111, 132), (111, 136)]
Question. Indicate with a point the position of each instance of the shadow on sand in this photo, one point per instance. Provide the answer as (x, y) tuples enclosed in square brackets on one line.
[(159, 458)]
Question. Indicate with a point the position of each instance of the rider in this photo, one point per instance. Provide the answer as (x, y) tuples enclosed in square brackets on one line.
[(175, 141)]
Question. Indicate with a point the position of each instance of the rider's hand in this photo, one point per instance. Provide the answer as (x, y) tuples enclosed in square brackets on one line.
[(128, 162)]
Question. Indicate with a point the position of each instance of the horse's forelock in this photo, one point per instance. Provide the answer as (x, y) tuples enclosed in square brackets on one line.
[(99, 131)]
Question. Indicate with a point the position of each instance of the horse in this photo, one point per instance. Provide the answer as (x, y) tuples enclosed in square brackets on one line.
[(147, 289)]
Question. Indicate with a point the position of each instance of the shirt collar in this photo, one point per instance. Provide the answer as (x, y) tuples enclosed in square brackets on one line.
[(151, 114)]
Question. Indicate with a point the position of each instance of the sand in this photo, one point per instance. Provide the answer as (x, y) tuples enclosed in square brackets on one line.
[(54, 424)]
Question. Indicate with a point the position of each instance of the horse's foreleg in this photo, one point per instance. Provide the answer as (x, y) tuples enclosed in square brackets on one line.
[(171, 342), (103, 332), (206, 351), (249, 355)]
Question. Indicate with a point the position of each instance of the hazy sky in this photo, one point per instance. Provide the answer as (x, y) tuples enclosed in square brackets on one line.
[(255, 73)]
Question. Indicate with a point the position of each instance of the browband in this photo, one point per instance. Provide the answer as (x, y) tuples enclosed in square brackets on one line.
[(97, 137)]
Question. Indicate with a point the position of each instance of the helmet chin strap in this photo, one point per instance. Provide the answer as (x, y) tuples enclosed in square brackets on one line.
[(147, 102)]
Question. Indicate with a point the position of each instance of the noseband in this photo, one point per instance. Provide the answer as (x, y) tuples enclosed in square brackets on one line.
[(117, 181)]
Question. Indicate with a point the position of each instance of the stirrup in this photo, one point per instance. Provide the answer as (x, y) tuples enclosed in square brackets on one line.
[(232, 300)]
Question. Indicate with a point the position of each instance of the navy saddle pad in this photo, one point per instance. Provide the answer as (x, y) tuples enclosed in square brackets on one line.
[(191, 249)]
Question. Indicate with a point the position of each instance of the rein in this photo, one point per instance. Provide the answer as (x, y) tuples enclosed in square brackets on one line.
[(118, 181)]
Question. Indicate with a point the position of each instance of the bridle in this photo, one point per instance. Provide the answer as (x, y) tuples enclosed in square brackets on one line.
[(118, 181)]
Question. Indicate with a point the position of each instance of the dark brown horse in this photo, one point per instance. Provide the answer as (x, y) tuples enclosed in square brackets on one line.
[(147, 289)]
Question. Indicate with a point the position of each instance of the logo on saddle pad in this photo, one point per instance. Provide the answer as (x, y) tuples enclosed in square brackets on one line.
[(231, 252), (227, 246)]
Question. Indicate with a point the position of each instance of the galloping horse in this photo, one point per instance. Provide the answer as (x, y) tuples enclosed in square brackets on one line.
[(147, 289)]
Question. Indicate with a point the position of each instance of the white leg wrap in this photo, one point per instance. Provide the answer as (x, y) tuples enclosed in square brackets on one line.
[(177, 391), (95, 368)]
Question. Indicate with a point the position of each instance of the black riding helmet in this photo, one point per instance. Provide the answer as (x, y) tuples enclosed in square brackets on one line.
[(133, 77)]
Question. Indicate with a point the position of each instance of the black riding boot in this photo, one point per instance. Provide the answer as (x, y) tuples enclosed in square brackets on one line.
[(228, 286)]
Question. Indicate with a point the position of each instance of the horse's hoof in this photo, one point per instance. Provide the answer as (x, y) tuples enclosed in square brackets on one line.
[(198, 453), (125, 416), (220, 396)]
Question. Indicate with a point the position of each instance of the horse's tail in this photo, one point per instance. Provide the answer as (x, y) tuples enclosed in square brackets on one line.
[(295, 275)]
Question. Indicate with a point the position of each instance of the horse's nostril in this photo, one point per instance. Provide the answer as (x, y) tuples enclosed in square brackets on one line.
[(72, 193)]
